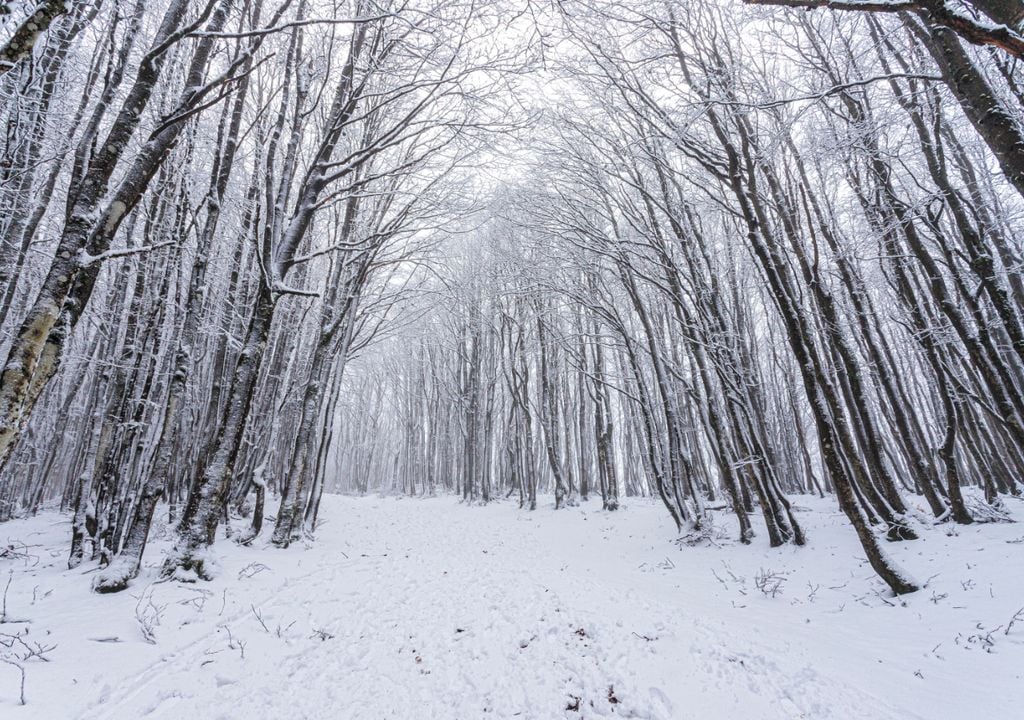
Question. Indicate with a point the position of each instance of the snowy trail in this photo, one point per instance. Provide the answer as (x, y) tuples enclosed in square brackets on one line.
[(428, 609)]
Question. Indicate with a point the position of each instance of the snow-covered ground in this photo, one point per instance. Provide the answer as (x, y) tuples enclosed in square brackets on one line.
[(412, 609)]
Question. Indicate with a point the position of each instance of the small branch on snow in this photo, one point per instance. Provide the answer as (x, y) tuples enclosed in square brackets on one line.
[(769, 582), (22, 649), (259, 617), (1017, 617), (17, 550), (252, 569), (3, 608), (21, 669), (148, 614), (235, 643)]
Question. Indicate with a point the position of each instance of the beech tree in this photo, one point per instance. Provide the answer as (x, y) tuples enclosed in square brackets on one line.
[(716, 255)]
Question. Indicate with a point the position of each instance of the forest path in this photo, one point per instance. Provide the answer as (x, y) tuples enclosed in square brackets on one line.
[(412, 609)]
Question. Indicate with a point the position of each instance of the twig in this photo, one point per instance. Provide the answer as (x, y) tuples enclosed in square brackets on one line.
[(260, 618), (3, 610), (251, 570), (769, 582), (236, 644), (1017, 617), (21, 669)]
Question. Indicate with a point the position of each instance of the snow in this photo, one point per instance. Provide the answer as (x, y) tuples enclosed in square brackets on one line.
[(427, 608)]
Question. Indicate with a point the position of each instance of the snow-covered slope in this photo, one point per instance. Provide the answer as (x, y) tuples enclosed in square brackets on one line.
[(412, 609)]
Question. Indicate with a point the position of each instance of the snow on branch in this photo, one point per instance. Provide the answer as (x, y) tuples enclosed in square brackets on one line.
[(85, 259), (973, 28), (24, 38), (292, 25)]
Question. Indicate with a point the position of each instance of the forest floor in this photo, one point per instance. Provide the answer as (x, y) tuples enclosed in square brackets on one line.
[(408, 609)]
